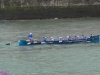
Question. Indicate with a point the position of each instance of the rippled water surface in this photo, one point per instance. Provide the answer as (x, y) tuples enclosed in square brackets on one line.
[(78, 59)]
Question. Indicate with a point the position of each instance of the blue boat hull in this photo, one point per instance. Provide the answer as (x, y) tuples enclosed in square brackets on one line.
[(94, 39)]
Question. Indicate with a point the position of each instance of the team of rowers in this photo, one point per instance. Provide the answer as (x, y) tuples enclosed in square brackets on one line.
[(60, 39)]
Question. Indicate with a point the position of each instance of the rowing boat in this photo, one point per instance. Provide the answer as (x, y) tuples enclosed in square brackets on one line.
[(94, 39)]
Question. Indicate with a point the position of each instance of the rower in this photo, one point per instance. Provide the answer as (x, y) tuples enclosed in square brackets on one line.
[(68, 38), (51, 39), (76, 38), (60, 39), (91, 37), (82, 37), (43, 40)]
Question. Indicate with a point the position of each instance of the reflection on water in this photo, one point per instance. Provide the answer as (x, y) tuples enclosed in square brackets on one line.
[(78, 59)]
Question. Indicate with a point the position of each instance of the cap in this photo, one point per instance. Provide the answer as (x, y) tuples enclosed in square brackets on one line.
[(30, 33), (77, 36)]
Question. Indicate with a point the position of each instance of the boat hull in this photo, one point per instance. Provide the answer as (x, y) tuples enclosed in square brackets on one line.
[(95, 39)]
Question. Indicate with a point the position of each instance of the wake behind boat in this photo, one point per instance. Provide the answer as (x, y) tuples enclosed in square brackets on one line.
[(93, 39)]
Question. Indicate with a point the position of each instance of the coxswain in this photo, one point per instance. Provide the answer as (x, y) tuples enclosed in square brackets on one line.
[(30, 36)]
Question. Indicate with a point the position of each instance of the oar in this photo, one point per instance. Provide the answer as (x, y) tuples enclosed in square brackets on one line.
[(10, 43), (7, 43)]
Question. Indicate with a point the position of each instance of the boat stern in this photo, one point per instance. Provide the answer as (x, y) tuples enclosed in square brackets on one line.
[(22, 43)]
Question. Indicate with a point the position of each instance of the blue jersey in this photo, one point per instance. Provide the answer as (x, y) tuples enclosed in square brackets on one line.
[(30, 36), (43, 39)]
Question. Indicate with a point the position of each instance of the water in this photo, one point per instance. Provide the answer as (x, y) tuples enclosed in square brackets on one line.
[(78, 59)]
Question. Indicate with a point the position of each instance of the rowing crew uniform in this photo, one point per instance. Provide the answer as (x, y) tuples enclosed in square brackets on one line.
[(51, 39), (30, 36), (43, 39), (68, 38), (60, 39), (76, 38), (82, 37)]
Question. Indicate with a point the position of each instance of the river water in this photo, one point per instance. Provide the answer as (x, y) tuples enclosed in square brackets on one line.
[(78, 59)]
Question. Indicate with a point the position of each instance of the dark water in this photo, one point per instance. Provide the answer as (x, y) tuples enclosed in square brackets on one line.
[(78, 59)]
